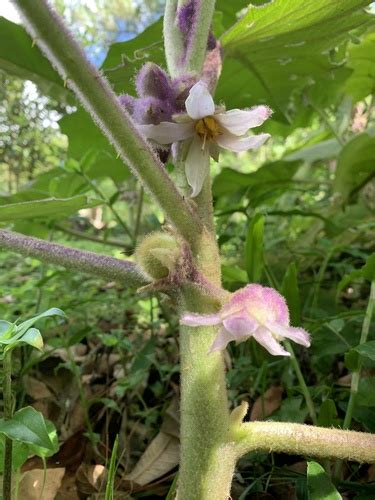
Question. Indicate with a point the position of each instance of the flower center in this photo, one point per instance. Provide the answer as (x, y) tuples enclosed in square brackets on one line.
[(207, 128)]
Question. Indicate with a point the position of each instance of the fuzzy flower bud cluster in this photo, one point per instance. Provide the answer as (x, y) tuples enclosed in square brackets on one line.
[(255, 312)]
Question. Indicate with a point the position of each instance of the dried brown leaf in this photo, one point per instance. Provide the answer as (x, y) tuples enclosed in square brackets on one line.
[(91, 478), (37, 389), (267, 403), (161, 456), (31, 484)]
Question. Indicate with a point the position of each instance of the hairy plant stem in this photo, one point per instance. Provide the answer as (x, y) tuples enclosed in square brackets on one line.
[(300, 439), (107, 268), (8, 413), (54, 39)]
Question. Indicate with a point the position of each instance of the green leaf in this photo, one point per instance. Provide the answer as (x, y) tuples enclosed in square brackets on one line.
[(42, 452), (368, 270), (351, 359), (366, 350), (53, 311), (319, 484), (106, 162), (263, 186), (276, 50), (33, 337), (28, 426), (6, 329), (254, 249), (366, 392), (20, 453), (20, 56), (48, 207), (289, 288), (361, 58), (327, 413), (125, 59), (323, 150), (355, 165)]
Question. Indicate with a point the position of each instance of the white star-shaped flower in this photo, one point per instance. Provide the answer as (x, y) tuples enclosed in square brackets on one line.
[(208, 128)]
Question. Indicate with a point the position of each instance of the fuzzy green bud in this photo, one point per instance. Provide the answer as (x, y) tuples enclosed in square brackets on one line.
[(157, 254)]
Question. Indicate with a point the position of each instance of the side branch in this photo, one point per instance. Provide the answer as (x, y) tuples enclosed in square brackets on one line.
[(96, 95), (105, 267), (300, 439)]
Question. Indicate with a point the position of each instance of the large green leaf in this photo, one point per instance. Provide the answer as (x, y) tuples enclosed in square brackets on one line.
[(279, 48), (355, 166), (20, 56), (48, 207), (263, 186), (106, 162), (319, 484), (28, 426), (362, 60), (124, 59)]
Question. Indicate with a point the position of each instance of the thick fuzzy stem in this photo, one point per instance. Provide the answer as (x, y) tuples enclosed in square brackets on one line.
[(204, 419), (96, 95), (108, 268), (300, 439)]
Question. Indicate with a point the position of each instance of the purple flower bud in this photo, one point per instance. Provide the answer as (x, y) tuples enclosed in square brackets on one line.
[(152, 81), (127, 101), (149, 110), (186, 17)]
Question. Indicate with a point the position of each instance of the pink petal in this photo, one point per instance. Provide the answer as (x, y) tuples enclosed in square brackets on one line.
[(197, 165), (298, 335), (260, 299), (191, 319), (239, 121), (221, 341), (240, 326), (236, 144), (199, 102), (167, 132), (266, 339)]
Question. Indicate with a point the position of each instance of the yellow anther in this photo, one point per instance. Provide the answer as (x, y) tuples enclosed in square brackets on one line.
[(207, 128)]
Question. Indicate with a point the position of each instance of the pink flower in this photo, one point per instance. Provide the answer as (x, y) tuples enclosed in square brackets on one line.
[(253, 311), (208, 128)]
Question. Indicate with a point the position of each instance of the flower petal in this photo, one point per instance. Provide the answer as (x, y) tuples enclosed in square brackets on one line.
[(298, 335), (240, 326), (267, 340), (197, 165), (239, 121), (236, 144), (167, 132), (221, 341), (191, 319), (199, 102)]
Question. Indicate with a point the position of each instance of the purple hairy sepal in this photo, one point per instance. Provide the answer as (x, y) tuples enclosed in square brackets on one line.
[(152, 81), (149, 110), (186, 17)]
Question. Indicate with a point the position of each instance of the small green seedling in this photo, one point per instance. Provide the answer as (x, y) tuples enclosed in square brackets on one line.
[(25, 431)]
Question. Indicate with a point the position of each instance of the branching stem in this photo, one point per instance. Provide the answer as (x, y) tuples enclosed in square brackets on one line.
[(103, 266)]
